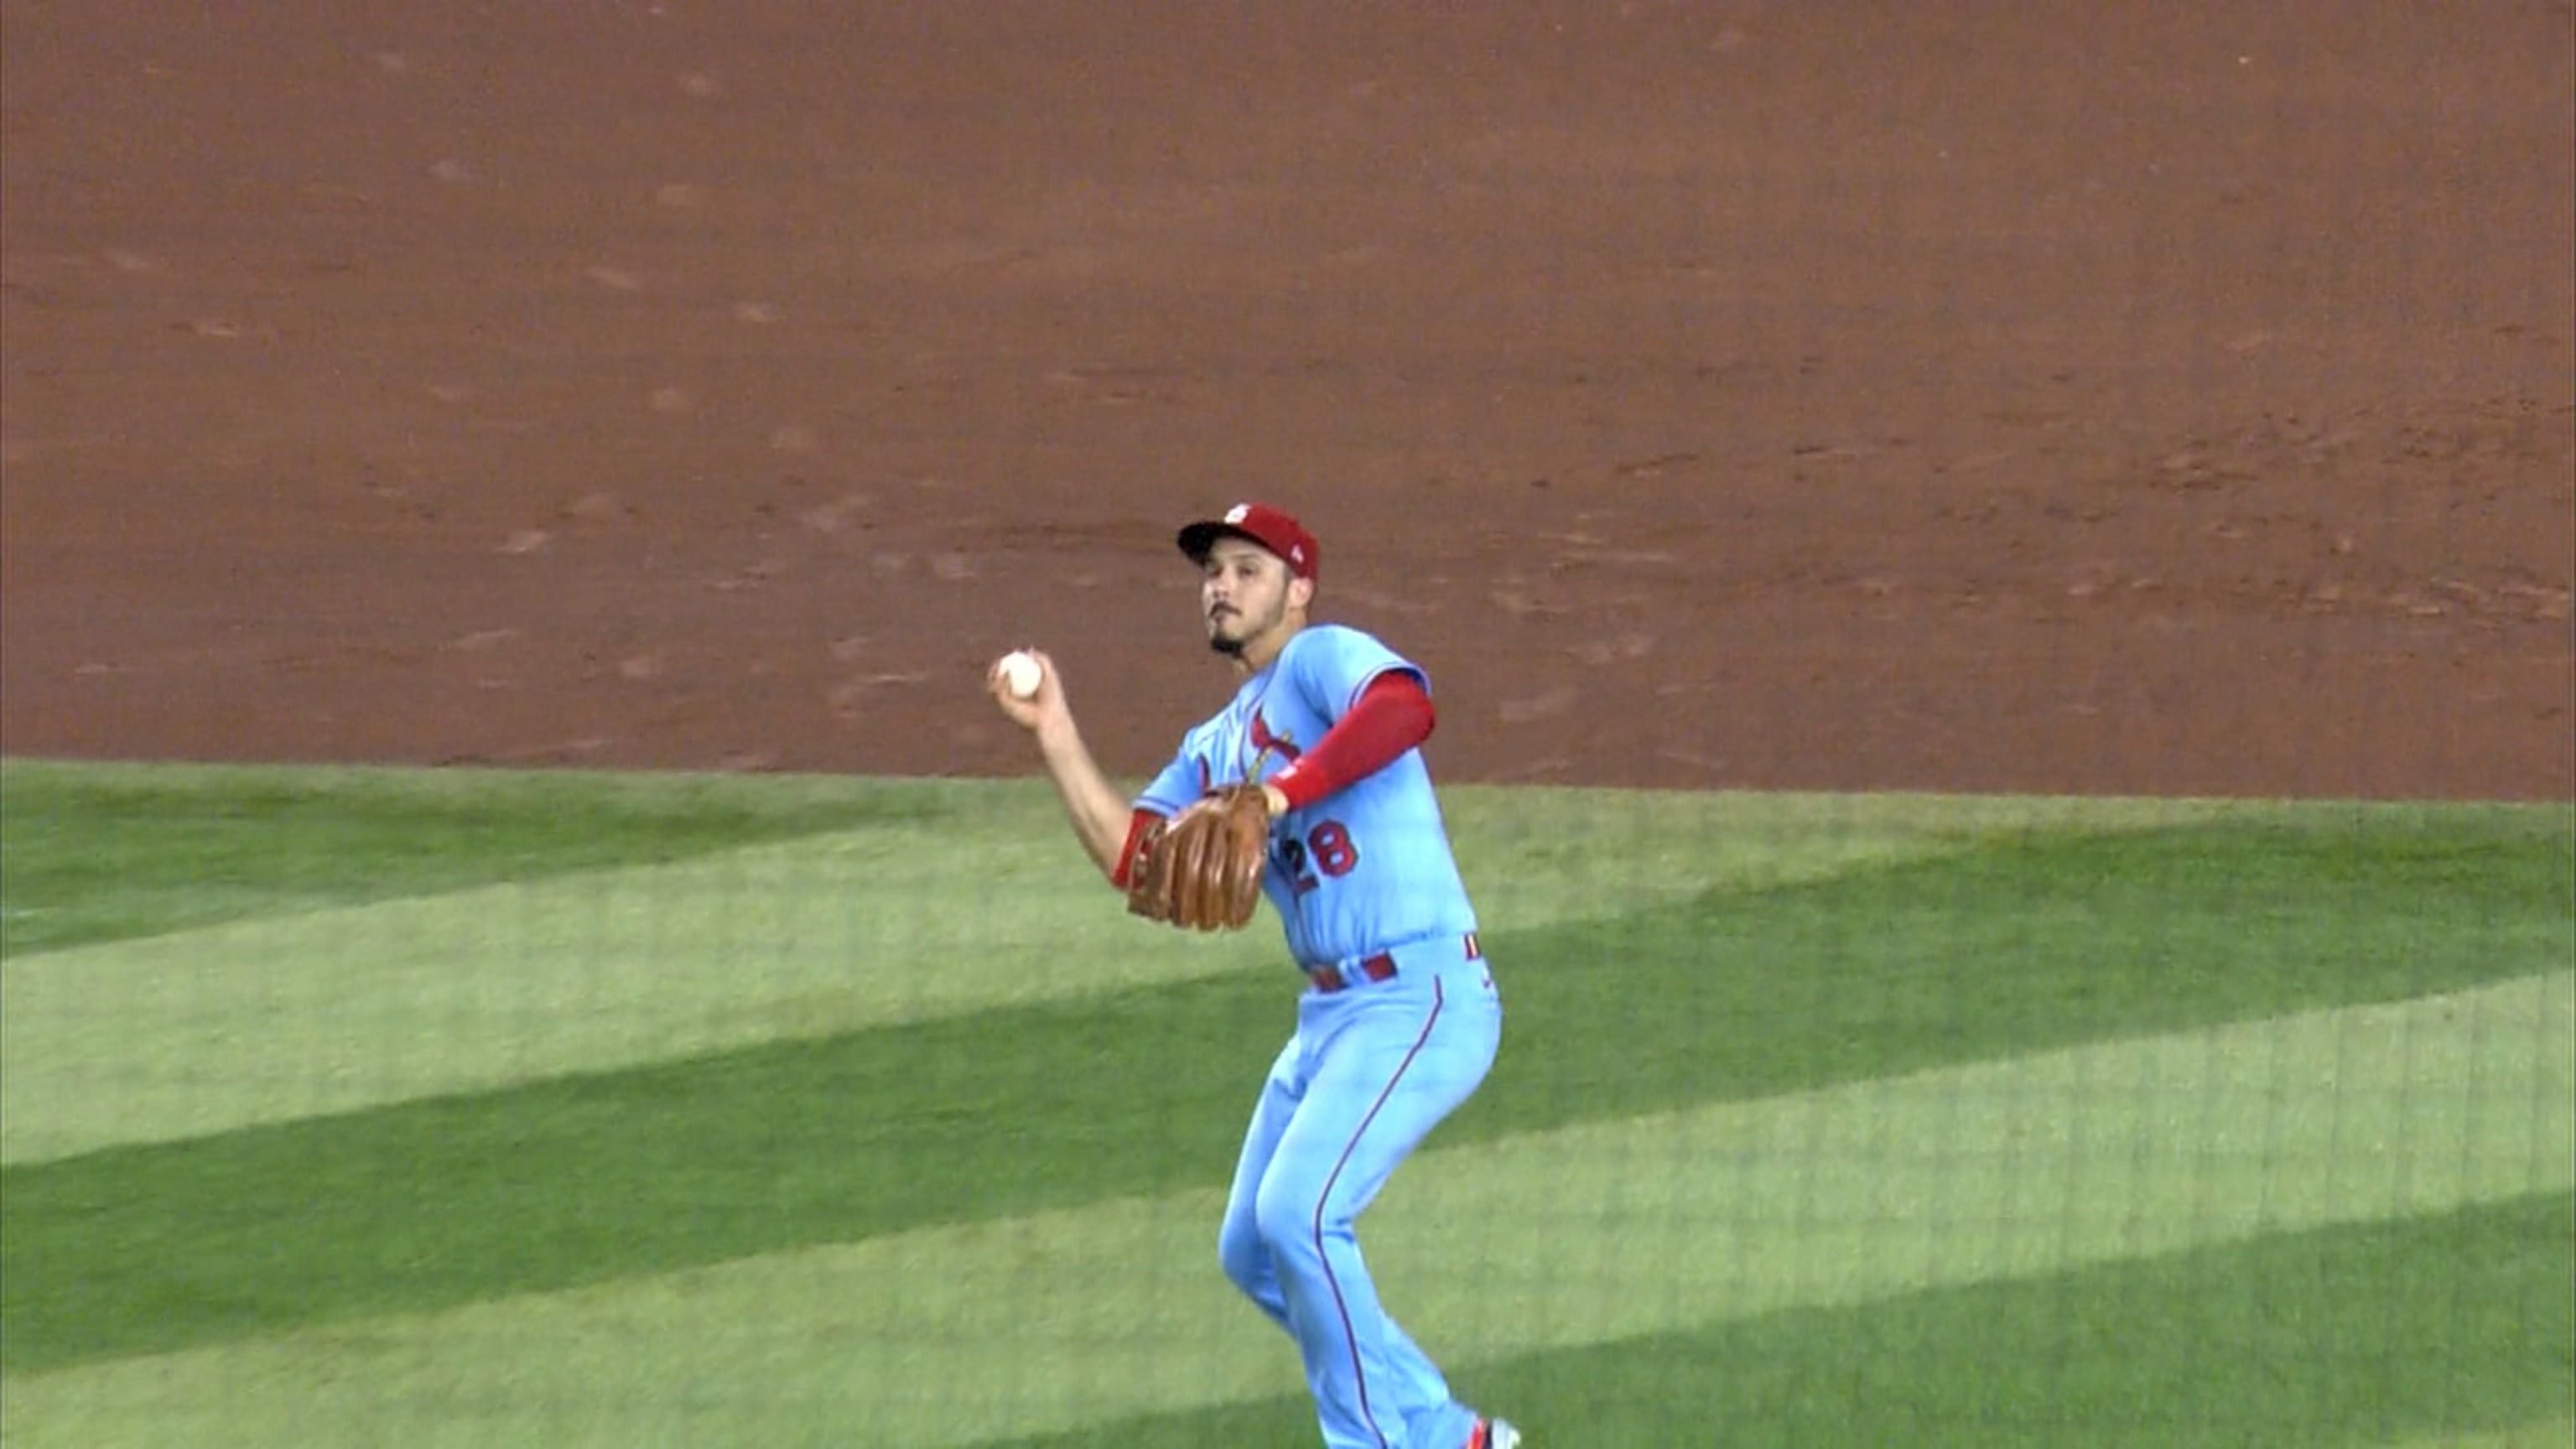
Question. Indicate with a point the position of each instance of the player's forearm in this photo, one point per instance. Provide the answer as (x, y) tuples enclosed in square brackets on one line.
[(1099, 814)]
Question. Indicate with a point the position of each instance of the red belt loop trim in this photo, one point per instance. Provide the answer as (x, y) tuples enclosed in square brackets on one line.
[(1380, 967)]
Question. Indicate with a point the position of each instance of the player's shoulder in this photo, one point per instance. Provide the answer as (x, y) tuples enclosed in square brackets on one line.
[(1340, 633), (1336, 641), (1341, 659)]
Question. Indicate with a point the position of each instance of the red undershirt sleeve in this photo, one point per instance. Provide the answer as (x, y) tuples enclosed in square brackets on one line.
[(1392, 716), (1143, 821)]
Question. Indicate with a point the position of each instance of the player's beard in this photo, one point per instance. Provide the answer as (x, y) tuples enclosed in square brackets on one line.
[(1229, 645), (1231, 634)]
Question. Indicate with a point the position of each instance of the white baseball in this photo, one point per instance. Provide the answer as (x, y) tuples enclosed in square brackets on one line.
[(1020, 674)]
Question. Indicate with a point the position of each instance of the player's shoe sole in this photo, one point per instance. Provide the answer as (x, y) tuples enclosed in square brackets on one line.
[(1495, 1434)]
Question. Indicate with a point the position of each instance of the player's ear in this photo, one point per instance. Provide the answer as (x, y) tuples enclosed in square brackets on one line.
[(1301, 592)]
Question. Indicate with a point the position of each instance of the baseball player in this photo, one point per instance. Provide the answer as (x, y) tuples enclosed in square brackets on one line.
[(1399, 1019)]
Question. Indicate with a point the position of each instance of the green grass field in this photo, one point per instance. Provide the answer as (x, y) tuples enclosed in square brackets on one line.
[(364, 1107)]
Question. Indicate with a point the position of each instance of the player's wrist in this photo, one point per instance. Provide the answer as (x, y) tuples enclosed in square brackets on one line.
[(1057, 737)]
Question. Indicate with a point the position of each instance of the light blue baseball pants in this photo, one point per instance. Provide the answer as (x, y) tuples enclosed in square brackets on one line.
[(1372, 1069)]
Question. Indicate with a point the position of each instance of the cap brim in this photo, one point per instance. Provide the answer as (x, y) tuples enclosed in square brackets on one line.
[(1197, 538)]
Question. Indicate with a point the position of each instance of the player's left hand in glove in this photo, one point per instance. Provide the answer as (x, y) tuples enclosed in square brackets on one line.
[(1201, 870)]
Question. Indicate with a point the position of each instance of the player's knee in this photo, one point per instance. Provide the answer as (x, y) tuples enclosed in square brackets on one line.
[(1285, 1217), (1242, 1253)]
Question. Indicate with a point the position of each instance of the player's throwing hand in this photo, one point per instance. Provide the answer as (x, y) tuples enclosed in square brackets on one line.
[(1031, 710)]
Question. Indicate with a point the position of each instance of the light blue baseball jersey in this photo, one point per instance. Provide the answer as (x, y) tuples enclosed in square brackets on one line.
[(1361, 870)]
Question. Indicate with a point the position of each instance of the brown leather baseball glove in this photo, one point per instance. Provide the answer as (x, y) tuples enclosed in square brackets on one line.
[(1201, 869)]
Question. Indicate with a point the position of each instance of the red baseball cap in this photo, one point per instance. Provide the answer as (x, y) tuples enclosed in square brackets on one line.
[(1261, 523)]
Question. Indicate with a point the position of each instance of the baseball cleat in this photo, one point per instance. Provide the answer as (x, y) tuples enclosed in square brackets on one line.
[(1494, 1434)]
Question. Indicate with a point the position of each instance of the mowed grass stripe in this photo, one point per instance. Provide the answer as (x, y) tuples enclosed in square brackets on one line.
[(1598, 1233), (320, 1011), (104, 852), (2033, 943), (2455, 1331)]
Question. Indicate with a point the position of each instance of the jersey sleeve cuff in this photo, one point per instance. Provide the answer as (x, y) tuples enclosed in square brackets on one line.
[(1138, 827), (1301, 786)]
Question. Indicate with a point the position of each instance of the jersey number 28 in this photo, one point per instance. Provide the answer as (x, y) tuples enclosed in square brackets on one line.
[(1326, 850)]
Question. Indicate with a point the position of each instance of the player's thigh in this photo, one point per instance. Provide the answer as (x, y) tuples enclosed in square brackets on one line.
[(1378, 1089)]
